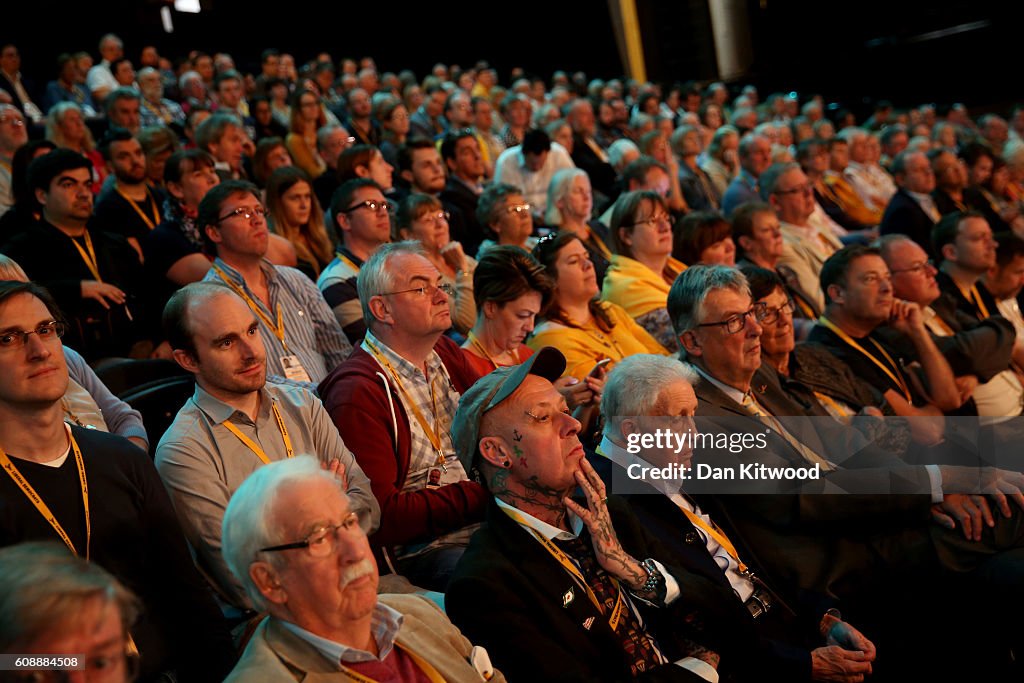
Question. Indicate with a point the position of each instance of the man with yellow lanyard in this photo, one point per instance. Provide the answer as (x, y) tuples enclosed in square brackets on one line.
[(127, 206), (292, 538), (303, 339), (97, 494), (858, 286), (964, 242), (393, 401), (236, 423), (361, 229), (95, 276), (583, 602)]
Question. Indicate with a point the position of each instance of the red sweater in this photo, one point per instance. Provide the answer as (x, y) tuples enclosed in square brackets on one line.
[(357, 401)]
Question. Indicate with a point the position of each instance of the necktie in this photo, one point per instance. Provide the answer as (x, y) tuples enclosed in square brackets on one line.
[(639, 648), (756, 409)]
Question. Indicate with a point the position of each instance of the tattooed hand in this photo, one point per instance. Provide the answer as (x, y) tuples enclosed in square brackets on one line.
[(607, 549)]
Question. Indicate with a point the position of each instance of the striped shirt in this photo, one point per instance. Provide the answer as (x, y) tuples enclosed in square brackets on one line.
[(337, 282), (437, 399), (311, 332)]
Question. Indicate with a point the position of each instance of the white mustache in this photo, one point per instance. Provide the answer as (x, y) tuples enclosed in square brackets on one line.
[(360, 569)]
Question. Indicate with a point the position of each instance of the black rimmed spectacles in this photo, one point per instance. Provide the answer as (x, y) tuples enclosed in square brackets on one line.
[(373, 205), (735, 323), (322, 540)]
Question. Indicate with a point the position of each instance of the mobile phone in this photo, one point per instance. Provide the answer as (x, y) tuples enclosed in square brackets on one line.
[(600, 364)]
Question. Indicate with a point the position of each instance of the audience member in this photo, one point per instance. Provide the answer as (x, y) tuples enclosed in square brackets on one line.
[(236, 422), (294, 540), (303, 339), (393, 401)]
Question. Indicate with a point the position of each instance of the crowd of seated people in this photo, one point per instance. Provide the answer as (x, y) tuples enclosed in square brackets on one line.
[(426, 318)]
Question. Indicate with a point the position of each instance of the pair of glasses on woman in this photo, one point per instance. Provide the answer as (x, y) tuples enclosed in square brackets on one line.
[(760, 312)]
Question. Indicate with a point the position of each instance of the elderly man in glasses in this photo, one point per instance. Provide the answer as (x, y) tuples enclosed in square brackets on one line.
[(362, 218), (393, 402), (304, 340), (293, 540), (96, 494)]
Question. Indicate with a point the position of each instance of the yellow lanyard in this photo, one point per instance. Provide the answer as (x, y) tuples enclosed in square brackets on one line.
[(41, 505), (829, 400), (716, 533), (894, 373), (432, 436), (804, 306), (254, 447), (570, 566), (475, 342), (278, 328), (151, 223), (426, 667), (974, 297), (347, 261), (88, 255)]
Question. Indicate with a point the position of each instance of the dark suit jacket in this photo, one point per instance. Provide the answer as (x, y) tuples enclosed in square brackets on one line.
[(466, 229), (905, 216), (506, 584), (602, 174), (782, 659), (838, 545)]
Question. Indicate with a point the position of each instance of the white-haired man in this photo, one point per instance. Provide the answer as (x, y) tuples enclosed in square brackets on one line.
[(293, 540)]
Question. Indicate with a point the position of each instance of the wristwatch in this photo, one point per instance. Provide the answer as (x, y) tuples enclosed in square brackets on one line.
[(655, 584)]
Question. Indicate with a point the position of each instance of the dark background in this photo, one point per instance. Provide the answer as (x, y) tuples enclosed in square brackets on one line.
[(849, 51)]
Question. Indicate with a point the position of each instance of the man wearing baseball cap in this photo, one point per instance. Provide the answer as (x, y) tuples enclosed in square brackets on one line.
[(588, 603)]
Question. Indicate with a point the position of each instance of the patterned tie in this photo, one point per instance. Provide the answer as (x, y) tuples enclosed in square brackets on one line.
[(640, 649), (812, 458)]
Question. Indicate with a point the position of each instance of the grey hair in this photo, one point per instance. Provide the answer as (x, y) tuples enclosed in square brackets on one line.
[(559, 188), (324, 132), (769, 180), (1013, 152), (44, 589), (851, 133), (619, 149), (689, 291), (375, 277), (247, 525), (634, 387)]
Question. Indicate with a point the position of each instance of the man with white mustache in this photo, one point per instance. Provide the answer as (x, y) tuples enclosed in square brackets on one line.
[(292, 539)]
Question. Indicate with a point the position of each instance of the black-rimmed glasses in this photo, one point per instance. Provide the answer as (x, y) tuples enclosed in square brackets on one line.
[(736, 323), (373, 205), (322, 540), (245, 212), (772, 314)]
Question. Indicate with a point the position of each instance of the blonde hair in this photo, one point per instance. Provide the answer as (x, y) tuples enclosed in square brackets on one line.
[(54, 120), (10, 270)]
